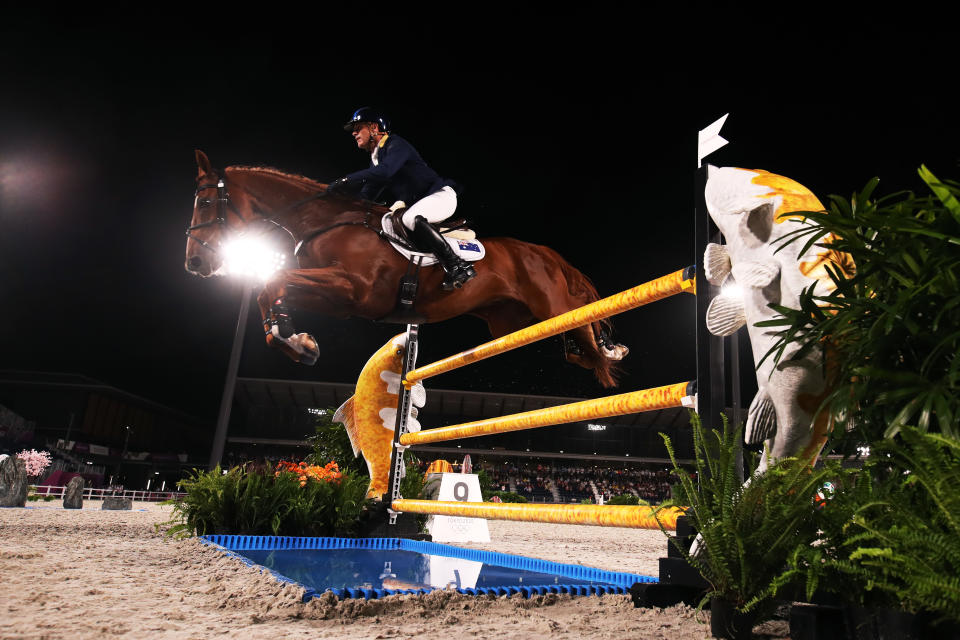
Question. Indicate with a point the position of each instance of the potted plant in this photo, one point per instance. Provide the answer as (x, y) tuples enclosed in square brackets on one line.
[(746, 531), (825, 588), (908, 547)]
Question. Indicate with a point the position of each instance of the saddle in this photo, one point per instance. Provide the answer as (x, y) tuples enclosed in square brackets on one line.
[(461, 239), (453, 228)]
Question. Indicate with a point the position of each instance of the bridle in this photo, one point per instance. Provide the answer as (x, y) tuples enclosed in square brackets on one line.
[(223, 203), (223, 206)]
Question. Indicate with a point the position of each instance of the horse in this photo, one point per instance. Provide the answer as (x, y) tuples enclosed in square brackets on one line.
[(348, 268)]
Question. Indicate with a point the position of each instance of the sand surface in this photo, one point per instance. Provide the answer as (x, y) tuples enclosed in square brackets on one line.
[(104, 574)]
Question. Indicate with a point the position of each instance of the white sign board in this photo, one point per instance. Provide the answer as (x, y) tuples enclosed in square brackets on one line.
[(458, 487), (455, 573)]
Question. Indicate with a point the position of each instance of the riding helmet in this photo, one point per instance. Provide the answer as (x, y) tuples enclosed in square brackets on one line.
[(366, 114)]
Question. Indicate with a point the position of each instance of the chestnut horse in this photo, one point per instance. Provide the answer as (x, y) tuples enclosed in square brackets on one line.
[(347, 268)]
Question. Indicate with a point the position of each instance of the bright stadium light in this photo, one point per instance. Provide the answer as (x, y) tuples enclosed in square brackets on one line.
[(731, 290), (250, 256)]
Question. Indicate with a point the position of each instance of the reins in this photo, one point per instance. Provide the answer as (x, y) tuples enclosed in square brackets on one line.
[(224, 205)]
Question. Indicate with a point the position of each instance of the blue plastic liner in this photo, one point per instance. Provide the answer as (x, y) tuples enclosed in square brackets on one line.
[(612, 581)]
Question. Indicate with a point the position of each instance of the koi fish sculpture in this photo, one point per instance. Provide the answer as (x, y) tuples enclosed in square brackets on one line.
[(370, 414), (755, 210)]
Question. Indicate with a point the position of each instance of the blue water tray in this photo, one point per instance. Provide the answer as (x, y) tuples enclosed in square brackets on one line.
[(376, 567)]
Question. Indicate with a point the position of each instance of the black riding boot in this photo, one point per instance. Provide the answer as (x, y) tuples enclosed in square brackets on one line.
[(457, 270)]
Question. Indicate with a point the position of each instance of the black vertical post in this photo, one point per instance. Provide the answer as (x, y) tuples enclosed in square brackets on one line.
[(735, 378), (403, 410), (710, 361), (226, 400)]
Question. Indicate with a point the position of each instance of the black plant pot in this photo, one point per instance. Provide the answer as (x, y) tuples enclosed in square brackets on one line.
[(728, 623), (817, 622), (882, 624)]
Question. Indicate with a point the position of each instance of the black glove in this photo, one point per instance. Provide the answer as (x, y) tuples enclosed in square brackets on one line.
[(337, 186)]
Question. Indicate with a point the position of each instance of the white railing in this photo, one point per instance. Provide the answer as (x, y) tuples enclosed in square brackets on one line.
[(91, 493)]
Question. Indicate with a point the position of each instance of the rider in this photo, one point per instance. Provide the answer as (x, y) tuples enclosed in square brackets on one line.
[(397, 169)]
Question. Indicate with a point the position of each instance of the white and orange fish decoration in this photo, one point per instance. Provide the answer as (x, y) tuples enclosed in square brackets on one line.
[(752, 209), (371, 412)]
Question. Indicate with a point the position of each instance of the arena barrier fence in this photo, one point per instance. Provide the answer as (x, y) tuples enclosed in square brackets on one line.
[(91, 493), (674, 395)]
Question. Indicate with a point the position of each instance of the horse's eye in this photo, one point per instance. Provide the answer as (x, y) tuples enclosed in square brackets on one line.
[(203, 203)]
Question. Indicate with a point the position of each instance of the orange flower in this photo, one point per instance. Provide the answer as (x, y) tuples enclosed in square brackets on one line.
[(328, 473)]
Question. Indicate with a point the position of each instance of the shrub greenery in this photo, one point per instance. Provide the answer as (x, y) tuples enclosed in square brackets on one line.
[(890, 535), (746, 530), (256, 500), (331, 443), (893, 328), (909, 547)]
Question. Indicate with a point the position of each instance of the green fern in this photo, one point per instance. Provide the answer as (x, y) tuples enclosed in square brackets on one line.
[(910, 546), (889, 537), (747, 530)]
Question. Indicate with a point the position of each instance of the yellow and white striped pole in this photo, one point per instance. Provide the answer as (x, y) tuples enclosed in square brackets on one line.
[(618, 405), (664, 287), (600, 515)]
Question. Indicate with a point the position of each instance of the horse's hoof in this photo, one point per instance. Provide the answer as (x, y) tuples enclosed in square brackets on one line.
[(616, 352), (307, 347)]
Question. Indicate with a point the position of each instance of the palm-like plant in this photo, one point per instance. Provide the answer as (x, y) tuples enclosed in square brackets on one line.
[(893, 328)]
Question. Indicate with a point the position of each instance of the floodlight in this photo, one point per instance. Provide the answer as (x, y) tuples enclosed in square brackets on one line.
[(732, 290), (251, 256)]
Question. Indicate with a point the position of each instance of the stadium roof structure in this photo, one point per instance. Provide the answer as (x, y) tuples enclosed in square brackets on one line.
[(447, 406)]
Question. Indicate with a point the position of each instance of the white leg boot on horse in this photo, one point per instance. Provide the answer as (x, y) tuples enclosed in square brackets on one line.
[(610, 349), (278, 327)]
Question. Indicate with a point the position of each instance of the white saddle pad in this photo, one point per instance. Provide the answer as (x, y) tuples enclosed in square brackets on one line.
[(470, 250)]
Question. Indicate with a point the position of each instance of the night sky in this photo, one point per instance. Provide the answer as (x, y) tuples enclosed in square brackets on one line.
[(577, 132)]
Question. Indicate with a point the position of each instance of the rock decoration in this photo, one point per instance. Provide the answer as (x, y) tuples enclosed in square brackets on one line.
[(116, 503), (73, 494), (13, 482)]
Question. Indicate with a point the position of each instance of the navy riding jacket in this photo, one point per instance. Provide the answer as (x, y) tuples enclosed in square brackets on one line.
[(400, 174)]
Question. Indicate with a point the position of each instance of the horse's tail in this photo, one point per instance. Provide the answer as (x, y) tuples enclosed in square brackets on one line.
[(581, 287)]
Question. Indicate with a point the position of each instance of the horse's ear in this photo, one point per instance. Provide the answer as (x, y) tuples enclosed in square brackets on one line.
[(203, 163)]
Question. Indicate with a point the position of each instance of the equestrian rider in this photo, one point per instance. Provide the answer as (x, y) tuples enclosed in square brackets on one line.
[(397, 170)]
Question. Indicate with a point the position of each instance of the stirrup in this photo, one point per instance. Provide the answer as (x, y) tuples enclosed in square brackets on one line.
[(458, 276)]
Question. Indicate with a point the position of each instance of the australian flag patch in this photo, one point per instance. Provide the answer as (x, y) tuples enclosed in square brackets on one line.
[(466, 245)]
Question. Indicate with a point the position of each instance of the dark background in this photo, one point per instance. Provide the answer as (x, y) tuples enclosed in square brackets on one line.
[(574, 131)]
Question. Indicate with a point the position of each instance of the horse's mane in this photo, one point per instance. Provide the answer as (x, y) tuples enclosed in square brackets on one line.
[(306, 183), (301, 180)]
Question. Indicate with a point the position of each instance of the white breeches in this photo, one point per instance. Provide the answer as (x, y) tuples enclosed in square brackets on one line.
[(436, 207)]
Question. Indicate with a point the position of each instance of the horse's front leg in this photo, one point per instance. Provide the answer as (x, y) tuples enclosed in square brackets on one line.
[(327, 290)]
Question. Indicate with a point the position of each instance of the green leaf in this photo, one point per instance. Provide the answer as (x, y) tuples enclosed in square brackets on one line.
[(942, 191)]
